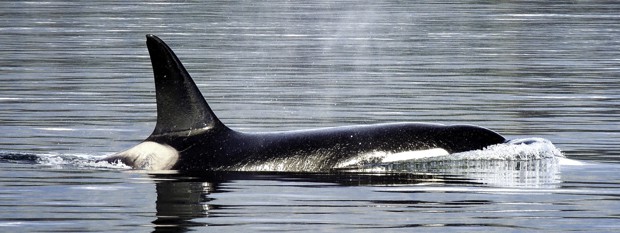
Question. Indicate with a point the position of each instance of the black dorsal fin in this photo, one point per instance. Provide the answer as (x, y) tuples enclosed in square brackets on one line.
[(180, 105)]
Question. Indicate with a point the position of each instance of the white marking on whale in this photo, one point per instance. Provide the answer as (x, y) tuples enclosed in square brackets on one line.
[(149, 156)]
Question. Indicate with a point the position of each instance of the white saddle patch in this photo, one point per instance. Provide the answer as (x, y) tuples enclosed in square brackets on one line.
[(150, 156)]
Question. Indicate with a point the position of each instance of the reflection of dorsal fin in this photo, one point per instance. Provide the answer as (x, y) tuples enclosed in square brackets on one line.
[(180, 105)]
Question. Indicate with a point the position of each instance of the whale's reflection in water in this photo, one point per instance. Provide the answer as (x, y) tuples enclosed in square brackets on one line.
[(216, 198)]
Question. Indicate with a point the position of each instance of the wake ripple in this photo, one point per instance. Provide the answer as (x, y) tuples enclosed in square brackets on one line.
[(60, 161)]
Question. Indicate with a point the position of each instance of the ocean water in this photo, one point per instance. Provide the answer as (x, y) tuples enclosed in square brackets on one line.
[(76, 85)]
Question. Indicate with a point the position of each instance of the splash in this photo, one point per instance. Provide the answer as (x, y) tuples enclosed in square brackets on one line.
[(516, 150), (60, 161), (528, 163)]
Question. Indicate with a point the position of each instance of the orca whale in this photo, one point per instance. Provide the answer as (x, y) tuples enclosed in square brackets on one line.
[(189, 137)]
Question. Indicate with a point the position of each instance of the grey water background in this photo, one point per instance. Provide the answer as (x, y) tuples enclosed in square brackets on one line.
[(76, 84)]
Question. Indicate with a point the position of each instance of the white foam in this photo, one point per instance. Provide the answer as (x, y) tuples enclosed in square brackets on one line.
[(76, 160), (523, 149)]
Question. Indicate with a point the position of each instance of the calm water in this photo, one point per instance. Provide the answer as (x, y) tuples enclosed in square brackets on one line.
[(77, 85)]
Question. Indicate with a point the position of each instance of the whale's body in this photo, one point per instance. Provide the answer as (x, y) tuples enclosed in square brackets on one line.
[(189, 137)]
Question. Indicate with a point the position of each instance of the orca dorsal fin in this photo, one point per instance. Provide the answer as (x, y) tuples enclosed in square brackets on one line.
[(180, 105)]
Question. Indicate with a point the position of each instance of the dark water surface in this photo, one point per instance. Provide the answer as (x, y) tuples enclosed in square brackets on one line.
[(77, 85)]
